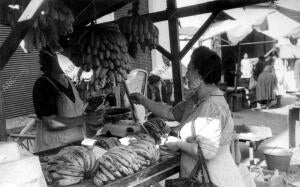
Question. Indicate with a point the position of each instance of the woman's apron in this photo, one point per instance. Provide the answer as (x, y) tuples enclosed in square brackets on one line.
[(49, 139)]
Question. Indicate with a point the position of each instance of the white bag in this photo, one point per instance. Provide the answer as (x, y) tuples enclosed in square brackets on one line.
[(252, 83)]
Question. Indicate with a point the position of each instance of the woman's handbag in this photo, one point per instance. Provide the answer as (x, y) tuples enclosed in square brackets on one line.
[(193, 179)]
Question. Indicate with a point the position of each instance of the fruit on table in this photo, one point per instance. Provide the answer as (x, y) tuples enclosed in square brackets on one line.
[(71, 165), (121, 161)]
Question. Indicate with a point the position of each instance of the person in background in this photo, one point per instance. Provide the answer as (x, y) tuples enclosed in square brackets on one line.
[(279, 70), (58, 106), (297, 74), (259, 67), (155, 88), (266, 86), (205, 121), (246, 68)]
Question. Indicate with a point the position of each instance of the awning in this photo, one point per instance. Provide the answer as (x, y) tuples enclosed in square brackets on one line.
[(278, 27), (288, 50), (236, 31)]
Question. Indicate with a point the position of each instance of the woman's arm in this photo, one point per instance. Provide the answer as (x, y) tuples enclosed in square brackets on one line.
[(55, 122), (159, 109), (189, 148)]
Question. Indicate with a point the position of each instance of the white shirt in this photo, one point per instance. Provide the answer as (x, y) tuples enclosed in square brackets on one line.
[(246, 68)]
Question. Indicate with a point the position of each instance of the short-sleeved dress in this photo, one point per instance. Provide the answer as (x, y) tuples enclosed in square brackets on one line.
[(207, 120)]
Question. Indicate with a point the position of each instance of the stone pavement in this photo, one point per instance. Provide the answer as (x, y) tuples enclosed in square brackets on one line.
[(276, 119)]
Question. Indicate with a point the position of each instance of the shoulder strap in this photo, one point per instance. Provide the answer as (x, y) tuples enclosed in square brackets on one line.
[(51, 82), (201, 164)]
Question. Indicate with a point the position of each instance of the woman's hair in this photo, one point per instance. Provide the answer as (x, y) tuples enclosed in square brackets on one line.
[(47, 57), (208, 64), (153, 79)]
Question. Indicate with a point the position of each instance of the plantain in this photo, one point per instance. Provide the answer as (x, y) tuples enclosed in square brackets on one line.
[(111, 65), (102, 82), (66, 181), (106, 163), (107, 173), (102, 47), (97, 181), (97, 41), (101, 176), (101, 55), (107, 53), (121, 168), (119, 158)]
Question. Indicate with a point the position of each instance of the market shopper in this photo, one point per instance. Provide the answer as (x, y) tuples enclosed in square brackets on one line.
[(205, 121), (246, 68), (58, 106), (266, 87), (279, 70)]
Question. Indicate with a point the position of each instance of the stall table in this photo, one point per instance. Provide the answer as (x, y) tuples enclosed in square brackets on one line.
[(146, 177)]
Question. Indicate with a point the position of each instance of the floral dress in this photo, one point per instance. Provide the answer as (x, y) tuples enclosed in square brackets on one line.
[(207, 121)]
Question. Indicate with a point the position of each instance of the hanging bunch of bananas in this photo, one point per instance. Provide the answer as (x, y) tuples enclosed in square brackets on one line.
[(123, 160), (138, 29), (71, 165), (104, 52), (55, 19)]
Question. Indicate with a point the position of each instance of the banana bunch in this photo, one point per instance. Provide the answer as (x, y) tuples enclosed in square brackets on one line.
[(157, 128), (107, 142), (55, 19), (122, 161), (139, 30), (71, 165), (103, 51)]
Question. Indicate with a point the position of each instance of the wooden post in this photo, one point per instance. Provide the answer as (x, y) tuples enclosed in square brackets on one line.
[(175, 49), (10, 45), (3, 136)]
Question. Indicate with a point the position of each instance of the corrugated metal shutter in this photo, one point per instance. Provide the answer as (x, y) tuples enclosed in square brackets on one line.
[(19, 76)]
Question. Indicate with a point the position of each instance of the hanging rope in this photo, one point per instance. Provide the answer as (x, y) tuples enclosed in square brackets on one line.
[(83, 10)]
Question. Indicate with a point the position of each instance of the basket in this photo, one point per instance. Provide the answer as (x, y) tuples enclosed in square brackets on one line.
[(277, 158)]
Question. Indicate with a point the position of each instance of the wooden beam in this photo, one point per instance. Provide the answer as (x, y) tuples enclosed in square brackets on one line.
[(175, 49), (3, 135), (164, 52), (91, 17), (197, 35), (19, 31), (211, 6)]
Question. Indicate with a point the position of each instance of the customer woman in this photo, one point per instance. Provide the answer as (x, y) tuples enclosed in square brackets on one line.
[(58, 106), (266, 87), (205, 121)]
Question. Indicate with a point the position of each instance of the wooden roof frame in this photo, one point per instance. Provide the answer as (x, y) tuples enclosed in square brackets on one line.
[(171, 14)]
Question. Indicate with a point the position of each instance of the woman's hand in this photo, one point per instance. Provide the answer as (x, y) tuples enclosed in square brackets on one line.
[(94, 118), (172, 146), (172, 143), (136, 98)]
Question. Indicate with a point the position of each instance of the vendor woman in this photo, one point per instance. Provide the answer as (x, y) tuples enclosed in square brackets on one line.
[(58, 106), (205, 121)]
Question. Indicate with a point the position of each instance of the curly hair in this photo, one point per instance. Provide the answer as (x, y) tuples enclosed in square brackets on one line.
[(47, 57), (208, 64)]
